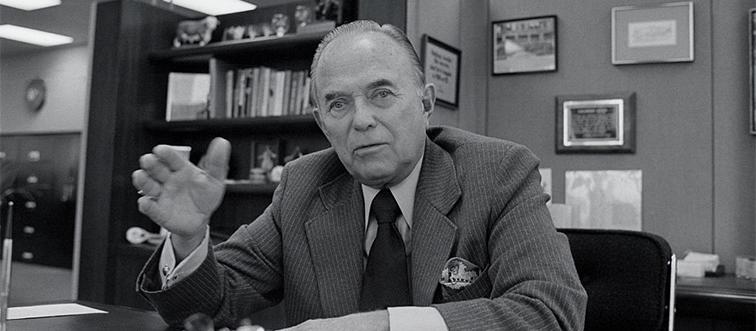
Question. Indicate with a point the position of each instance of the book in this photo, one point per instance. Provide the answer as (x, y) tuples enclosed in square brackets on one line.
[(278, 92), (253, 104), (241, 89), (218, 99), (306, 97), (229, 93), (188, 95), (286, 93), (248, 82), (295, 90), (265, 77)]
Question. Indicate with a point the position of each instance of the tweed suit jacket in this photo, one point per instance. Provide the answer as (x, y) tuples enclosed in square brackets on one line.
[(478, 198)]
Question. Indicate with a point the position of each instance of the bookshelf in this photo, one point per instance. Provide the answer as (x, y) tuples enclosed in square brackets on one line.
[(202, 54), (267, 124), (132, 60)]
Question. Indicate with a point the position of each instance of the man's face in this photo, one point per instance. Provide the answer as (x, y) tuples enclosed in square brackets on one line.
[(370, 107)]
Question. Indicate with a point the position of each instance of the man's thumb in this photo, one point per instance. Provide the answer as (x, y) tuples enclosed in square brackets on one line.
[(215, 161)]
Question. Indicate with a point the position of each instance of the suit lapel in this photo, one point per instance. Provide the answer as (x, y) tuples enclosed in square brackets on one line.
[(335, 238), (433, 233)]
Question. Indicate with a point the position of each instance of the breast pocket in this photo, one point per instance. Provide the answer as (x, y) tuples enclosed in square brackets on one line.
[(480, 288)]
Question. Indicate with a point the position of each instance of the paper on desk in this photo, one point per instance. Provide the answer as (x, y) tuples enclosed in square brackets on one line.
[(63, 309)]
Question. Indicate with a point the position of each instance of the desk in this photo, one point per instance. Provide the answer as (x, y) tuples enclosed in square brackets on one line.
[(117, 318), (715, 303)]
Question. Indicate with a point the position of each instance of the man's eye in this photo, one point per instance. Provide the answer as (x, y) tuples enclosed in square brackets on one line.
[(336, 106), (383, 93)]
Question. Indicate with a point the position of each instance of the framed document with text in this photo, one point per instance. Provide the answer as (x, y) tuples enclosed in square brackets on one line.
[(595, 123), (441, 64), (655, 33)]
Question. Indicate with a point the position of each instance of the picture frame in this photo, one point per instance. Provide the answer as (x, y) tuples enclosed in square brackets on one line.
[(595, 123), (188, 96), (653, 33), (524, 45), (752, 65), (441, 66)]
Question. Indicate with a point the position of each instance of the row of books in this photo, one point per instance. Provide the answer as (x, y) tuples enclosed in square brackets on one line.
[(263, 91)]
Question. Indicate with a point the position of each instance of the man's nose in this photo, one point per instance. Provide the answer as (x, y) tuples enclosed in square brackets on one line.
[(364, 116)]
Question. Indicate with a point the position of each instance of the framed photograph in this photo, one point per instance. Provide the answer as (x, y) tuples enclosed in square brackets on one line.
[(188, 96), (654, 33), (441, 64), (595, 123), (525, 45), (752, 60)]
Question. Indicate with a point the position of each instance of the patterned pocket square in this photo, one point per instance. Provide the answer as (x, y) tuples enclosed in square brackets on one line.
[(459, 273)]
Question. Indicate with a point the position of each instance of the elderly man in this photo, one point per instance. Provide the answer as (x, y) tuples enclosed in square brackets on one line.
[(397, 225)]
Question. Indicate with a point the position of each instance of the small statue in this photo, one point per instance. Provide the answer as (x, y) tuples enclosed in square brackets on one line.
[(327, 10), (280, 24), (303, 15), (195, 32), (267, 159), (234, 32)]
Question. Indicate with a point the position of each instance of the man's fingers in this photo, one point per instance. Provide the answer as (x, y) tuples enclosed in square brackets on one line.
[(145, 184), (170, 157), (154, 168), (215, 161), (149, 207)]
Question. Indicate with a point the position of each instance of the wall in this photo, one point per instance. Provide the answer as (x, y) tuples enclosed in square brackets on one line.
[(459, 25), (692, 141), (64, 71)]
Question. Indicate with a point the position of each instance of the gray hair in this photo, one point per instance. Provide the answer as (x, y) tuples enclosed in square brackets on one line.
[(363, 26)]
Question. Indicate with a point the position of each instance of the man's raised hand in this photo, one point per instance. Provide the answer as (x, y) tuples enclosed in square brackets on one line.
[(178, 195)]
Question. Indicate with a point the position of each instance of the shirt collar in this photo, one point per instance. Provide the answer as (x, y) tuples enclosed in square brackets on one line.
[(404, 193)]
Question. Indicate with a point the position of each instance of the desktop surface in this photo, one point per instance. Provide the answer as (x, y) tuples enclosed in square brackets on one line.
[(117, 318), (716, 303)]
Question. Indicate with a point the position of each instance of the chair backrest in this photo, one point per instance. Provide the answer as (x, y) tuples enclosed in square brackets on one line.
[(629, 278)]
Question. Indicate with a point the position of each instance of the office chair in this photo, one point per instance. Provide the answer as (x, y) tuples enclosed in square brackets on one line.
[(629, 277)]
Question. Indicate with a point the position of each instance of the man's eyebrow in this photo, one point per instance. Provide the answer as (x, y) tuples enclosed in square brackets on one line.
[(379, 83), (332, 95)]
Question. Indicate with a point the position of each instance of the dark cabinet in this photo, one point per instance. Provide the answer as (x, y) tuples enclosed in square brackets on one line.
[(39, 174)]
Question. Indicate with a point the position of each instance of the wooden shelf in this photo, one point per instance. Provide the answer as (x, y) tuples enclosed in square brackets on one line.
[(251, 188), (268, 124), (236, 47)]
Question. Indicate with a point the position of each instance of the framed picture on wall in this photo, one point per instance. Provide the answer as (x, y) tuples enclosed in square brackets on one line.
[(654, 33), (524, 45), (595, 123), (441, 64), (752, 60)]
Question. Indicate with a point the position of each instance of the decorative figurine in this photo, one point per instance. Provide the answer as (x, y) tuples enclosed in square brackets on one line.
[(303, 15), (327, 10), (275, 174), (280, 24), (195, 32), (234, 32), (267, 159), (266, 30)]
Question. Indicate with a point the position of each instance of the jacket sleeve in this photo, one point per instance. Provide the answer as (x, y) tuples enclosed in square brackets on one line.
[(238, 277), (531, 276)]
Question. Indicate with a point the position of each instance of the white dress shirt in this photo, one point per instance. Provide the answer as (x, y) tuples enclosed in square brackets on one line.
[(400, 318)]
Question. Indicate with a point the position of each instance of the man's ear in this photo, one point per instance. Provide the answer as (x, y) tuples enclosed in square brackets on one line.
[(429, 98)]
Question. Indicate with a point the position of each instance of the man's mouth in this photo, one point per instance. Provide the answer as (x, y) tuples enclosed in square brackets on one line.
[(368, 147)]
